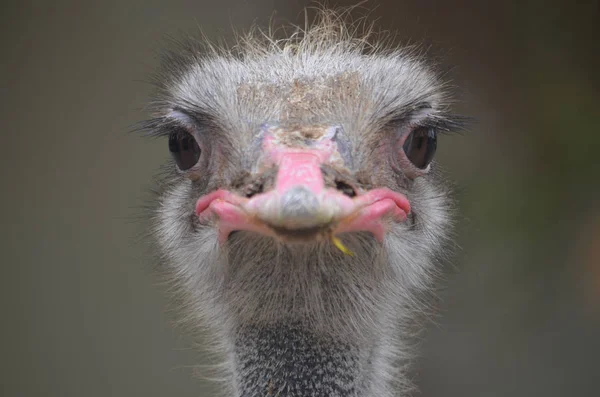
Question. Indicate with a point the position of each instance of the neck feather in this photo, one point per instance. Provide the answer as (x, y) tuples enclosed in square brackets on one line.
[(293, 361), (309, 321)]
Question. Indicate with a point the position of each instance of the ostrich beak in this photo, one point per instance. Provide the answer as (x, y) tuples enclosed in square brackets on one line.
[(301, 207)]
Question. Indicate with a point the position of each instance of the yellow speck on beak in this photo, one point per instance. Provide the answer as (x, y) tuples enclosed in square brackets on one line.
[(338, 243)]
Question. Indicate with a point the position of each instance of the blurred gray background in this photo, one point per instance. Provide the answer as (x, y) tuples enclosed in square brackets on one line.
[(81, 314)]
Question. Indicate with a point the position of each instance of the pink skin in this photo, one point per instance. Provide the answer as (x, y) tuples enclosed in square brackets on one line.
[(364, 212)]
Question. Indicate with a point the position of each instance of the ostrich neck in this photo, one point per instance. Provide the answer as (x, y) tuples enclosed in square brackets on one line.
[(292, 361)]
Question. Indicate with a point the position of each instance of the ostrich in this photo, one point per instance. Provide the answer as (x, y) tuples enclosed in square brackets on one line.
[(301, 219)]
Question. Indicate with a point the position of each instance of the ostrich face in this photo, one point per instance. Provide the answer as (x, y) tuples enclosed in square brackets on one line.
[(301, 187)]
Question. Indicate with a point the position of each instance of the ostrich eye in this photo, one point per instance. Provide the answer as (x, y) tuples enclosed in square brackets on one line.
[(420, 146), (184, 149)]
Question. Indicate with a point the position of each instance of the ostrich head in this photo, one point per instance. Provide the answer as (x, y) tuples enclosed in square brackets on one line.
[(301, 215)]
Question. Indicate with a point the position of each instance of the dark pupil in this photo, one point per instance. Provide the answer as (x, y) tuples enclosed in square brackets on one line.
[(420, 146), (184, 149)]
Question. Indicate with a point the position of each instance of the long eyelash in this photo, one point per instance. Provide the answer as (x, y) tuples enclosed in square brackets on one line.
[(157, 127), (449, 123), (442, 123), (165, 125), (199, 116)]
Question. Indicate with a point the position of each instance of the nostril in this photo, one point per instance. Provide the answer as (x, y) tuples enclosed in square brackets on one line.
[(345, 188), (253, 189)]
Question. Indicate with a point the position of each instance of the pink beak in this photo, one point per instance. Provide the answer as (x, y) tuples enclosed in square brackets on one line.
[(301, 206)]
